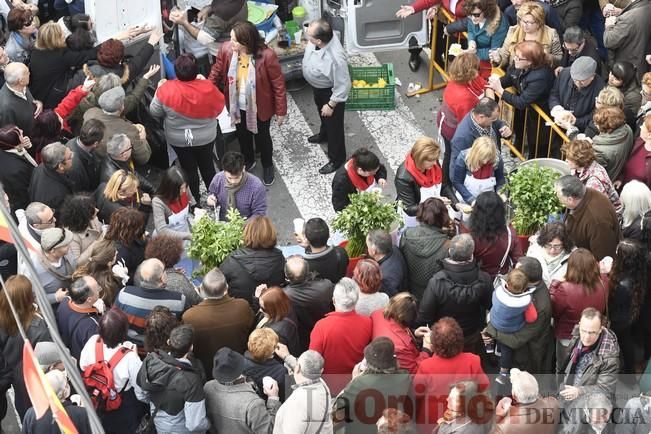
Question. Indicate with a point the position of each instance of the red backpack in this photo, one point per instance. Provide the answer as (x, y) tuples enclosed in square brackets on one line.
[(98, 379)]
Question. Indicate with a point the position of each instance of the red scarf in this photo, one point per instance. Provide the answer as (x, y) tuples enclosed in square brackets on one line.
[(179, 205), (432, 177), (484, 172), (361, 184)]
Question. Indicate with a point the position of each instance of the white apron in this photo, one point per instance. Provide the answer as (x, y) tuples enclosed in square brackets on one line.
[(425, 193), (179, 221), (477, 186)]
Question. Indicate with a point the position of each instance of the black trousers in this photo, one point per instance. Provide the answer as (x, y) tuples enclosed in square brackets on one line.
[(192, 158), (332, 128), (262, 141)]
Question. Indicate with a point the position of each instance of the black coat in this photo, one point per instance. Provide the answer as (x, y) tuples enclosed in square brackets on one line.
[(395, 274), (408, 191), (247, 268), (330, 264), (17, 111), (256, 371), (311, 301), (15, 176), (532, 85), (52, 70), (580, 102), (110, 166), (49, 187), (342, 186), (133, 255), (589, 50), (85, 167), (461, 291)]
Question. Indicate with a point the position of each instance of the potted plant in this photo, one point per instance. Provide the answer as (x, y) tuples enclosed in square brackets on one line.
[(366, 212), (212, 240), (532, 198)]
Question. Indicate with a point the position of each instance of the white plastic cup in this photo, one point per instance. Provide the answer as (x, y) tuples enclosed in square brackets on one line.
[(297, 37), (267, 382), (299, 224)]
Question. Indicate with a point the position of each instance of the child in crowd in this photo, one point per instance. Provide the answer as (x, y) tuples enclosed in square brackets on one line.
[(511, 309)]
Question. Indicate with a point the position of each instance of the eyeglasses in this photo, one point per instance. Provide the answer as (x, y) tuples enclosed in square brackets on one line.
[(553, 246), (126, 150), (518, 58), (476, 14), (528, 23)]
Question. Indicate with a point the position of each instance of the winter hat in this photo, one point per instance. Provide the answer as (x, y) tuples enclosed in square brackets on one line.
[(55, 237), (47, 355), (583, 68), (112, 100), (59, 382), (380, 354), (228, 365)]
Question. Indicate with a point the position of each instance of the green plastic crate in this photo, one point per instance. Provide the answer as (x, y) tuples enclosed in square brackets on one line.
[(372, 98)]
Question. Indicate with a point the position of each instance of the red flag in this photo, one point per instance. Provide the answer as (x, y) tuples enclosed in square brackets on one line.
[(5, 234), (41, 393)]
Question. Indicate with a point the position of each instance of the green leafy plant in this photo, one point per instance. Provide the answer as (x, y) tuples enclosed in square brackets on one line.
[(366, 212), (532, 196), (212, 241)]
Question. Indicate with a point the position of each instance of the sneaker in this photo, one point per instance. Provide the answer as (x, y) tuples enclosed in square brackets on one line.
[(250, 166), (268, 175), (502, 379)]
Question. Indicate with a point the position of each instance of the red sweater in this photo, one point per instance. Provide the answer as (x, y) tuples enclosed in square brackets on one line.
[(340, 338), (569, 300), (405, 348), (421, 5), (435, 376)]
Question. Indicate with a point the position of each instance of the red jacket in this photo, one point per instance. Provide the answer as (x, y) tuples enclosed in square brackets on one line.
[(340, 338), (569, 300), (435, 376), (421, 5), (490, 254), (68, 104), (458, 100), (405, 350), (271, 98)]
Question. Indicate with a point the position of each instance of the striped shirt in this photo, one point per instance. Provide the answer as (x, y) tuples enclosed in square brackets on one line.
[(137, 303)]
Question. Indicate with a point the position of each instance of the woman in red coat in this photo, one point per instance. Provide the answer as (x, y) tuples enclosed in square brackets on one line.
[(252, 81), (447, 366), (394, 322), (583, 286)]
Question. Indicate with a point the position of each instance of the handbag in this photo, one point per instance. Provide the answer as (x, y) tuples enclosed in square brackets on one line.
[(498, 278), (146, 425)]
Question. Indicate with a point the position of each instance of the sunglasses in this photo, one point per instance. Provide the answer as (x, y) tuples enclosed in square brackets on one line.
[(476, 14)]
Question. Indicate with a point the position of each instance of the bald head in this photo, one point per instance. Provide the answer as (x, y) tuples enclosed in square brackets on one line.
[(16, 74), (296, 269), (150, 274)]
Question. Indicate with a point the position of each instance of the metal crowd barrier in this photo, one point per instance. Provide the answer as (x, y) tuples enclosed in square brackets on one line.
[(548, 137)]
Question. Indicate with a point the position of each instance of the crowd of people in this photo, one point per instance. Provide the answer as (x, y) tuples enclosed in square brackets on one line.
[(399, 341)]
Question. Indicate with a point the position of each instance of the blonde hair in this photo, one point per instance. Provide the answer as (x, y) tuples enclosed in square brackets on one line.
[(425, 149), (483, 151), (517, 35), (262, 343), (516, 281), (119, 183), (50, 37), (610, 96)]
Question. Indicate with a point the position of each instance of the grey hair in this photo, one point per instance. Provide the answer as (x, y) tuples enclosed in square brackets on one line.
[(636, 201), (117, 144), (33, 210), (380, 240), (311, 364), (461, 248), (486, 106), (149, 273), (346, 294), (574, 35), (53, 154), (297, 269), (524, 386), (107, 82), (214, 284), (570, 186), (598, 400), (13, 73)]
